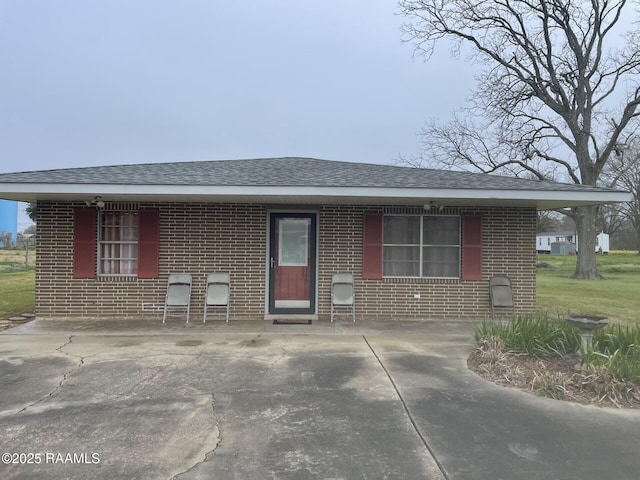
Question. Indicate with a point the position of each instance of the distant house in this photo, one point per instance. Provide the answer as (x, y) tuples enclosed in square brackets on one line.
[(420, 243), (567, 243)]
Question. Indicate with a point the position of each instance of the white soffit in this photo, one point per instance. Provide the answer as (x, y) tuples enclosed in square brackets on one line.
[(542, 199)]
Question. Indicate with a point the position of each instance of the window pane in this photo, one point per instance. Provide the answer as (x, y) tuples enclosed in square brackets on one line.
[(401, 261), (118, 243), (128, 259), (128, 234), (441, 231), (293, 242), (108, 231), (441, 262), (401, 230), (106, 254)]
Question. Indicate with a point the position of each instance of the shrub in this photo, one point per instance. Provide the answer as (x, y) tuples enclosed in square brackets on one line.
[(490, 350), (550, 384), (618, 349), (534, 335)]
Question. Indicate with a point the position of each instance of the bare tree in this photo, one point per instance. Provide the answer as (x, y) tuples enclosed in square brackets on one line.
[(611, 218), (554, 96), (625, 171), (547, 221)]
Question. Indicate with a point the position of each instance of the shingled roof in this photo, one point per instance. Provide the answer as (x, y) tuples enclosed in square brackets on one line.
[(293, 179)]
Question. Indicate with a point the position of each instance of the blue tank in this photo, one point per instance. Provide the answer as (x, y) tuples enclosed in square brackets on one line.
[(9, 220)]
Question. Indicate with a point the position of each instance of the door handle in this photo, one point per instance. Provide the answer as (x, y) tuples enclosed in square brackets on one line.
[(273, 262)]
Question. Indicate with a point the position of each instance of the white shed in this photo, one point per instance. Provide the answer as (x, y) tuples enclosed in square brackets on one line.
[(545, 239), (602, 243)]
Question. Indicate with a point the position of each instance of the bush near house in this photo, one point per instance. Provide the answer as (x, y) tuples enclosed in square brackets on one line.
[(534, 335), (617, 348), (539, 354)]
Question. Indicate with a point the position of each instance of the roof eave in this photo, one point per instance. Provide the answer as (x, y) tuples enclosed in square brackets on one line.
[(540, 199)]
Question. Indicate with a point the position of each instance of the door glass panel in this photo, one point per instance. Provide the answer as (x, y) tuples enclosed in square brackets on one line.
[(293, 246)]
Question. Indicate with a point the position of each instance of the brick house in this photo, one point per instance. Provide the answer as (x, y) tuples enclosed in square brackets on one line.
[(420, 243)]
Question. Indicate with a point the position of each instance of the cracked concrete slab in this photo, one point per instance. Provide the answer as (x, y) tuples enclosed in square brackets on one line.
[(20, 391), (479, 430), (263, 405), (236, 406), (329, 434), (134, 438)]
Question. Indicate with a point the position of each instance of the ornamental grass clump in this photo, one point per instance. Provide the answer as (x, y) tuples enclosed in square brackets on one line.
[(534, 335), (617, 348), (535, 353), (490, 350)]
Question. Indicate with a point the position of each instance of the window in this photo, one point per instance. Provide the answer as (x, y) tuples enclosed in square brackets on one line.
[(118, 243), (125, 243), (292, 242), (421, 246)]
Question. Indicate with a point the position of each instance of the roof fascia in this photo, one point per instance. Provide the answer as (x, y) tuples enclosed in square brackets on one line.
[(31, 191)]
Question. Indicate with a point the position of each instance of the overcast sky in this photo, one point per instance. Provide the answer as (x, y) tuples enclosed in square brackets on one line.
[(135, 81)]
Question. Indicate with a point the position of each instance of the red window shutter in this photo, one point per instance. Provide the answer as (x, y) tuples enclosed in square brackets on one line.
[(472, 247), (372, 247), (148, 243), (84, 243)]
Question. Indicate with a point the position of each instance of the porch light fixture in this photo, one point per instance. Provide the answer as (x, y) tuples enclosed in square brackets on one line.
[(97, 201), (428, 206)]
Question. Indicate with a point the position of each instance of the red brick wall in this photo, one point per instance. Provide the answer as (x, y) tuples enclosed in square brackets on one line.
[(508, 248), (202, 238)]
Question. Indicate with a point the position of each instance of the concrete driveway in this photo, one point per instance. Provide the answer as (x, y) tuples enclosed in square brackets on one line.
[(285, 402)]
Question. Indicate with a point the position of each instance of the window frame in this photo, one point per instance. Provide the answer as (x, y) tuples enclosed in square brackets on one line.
[(421, 247), (100, 243)]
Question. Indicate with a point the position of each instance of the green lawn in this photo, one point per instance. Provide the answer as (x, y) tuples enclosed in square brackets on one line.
[(18, 292), (17, 285), (618, 296)]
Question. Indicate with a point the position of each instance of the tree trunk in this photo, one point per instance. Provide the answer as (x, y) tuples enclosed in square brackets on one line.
[(586, 266)]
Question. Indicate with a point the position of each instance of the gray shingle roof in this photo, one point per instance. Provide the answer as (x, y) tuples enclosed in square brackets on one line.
[(288, 171)]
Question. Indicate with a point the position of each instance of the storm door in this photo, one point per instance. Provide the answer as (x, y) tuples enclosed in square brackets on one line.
[(292, 263)]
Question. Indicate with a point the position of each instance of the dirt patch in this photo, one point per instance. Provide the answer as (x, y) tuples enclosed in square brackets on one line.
[(558, 378)]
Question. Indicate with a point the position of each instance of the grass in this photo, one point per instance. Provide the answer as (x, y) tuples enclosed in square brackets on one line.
[(14, 259), (18, 292), (615, 297), (17, 284)]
